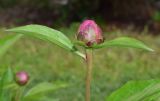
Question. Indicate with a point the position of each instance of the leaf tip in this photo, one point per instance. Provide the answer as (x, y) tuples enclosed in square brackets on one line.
[(150, 49)]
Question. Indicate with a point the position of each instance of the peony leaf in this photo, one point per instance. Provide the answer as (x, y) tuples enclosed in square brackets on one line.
[(47, 34), (147, 90), (123, 42)]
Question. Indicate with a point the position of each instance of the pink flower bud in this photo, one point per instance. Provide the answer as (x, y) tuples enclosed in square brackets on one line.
[(22, 78), (90, 33)]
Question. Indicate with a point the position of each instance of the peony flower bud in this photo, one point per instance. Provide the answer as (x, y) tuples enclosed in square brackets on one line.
[(90, 33), (22, 78)]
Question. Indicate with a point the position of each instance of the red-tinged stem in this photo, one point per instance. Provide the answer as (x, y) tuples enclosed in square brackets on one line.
[(89, 57)]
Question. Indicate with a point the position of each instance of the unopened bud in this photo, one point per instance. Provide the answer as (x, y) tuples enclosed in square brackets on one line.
[(22, 78), (90, 33)]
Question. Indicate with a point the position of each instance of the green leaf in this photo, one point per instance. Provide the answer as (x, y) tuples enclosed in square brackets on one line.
[(123, 42), (148, 90), (42, 88), (6, 42), (45, 33), (6, 79)]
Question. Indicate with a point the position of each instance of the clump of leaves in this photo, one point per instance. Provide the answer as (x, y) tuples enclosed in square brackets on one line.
[(11, 90)]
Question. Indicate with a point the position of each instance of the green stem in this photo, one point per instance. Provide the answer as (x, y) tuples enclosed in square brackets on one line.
[(19, 94), (89, 57)]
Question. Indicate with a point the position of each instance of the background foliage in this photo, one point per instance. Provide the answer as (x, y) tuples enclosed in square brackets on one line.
[(63, 12)]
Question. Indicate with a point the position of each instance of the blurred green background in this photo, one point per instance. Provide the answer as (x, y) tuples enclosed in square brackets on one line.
[(112, 67)]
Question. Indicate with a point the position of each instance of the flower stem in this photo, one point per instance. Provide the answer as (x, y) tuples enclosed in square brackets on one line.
[(19, 94), (89, 56)]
